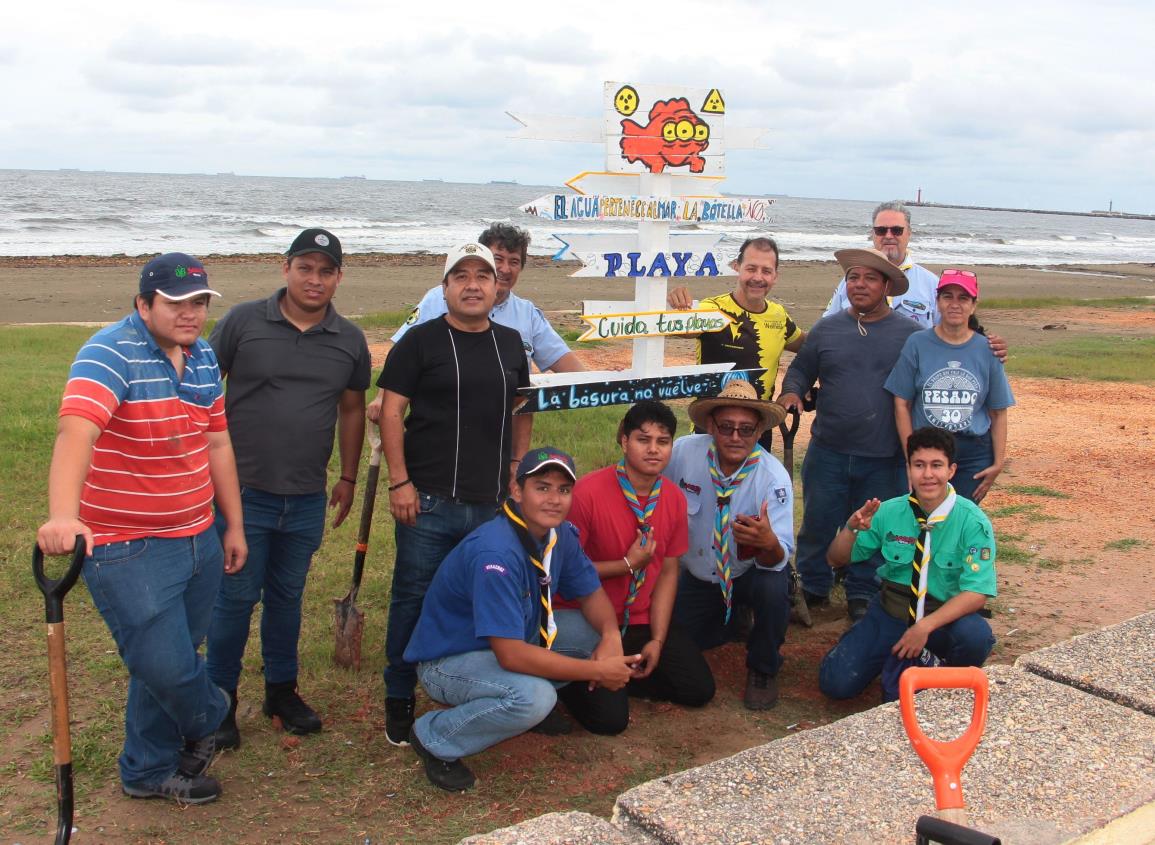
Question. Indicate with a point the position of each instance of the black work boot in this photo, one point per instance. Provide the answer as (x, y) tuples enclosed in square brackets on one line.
[(296, 716), (228, 736)]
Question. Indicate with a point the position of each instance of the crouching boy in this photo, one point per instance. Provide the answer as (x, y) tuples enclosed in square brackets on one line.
[(938, 570), (488, 644)]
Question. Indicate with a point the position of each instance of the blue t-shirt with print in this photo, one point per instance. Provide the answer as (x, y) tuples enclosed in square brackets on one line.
[(952, 387), (486, 587)]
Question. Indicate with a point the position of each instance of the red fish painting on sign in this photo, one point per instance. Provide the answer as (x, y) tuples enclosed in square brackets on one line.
[(675, 136)]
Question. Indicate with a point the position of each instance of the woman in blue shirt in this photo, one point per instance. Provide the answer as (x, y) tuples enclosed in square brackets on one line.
[(948, 378)]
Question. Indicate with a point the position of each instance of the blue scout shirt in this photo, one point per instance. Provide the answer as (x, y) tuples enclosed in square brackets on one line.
[(962, 549), (486, 587), (952, 386)]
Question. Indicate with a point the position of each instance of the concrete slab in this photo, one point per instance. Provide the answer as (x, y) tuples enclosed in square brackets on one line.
[(1054, 764), (1116, 663), (560, 829)]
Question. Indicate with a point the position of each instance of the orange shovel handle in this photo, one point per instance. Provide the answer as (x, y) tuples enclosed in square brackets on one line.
[(944, 759)]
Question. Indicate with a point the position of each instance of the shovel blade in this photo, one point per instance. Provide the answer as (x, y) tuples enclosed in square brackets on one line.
[(348, 625)]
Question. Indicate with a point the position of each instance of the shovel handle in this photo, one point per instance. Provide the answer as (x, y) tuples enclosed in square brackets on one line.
[(367, 505), (945, 760), (55, 590)]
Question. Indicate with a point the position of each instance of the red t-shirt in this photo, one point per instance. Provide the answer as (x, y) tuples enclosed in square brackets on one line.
[(608, 527)]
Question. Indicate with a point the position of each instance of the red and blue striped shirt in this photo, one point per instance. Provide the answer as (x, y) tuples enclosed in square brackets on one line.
[(149, 475)]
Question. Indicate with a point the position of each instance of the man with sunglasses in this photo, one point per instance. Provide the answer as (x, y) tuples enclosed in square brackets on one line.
[(740, 505), (891, 236)]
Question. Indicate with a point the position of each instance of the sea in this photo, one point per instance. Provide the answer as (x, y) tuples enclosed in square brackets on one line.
[(69, 212)]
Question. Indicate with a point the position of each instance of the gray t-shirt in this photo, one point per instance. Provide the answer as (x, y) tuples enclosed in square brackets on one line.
[(855, 413), (282, 391)]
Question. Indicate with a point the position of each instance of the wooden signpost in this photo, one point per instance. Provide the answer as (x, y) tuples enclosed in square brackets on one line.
[(665, 157)]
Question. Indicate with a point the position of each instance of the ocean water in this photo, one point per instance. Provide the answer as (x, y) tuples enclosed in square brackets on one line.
[(97, 213)]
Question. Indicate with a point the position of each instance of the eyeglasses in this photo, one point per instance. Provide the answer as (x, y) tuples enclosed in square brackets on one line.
[(894, 230), (953, 272), (728, 429)]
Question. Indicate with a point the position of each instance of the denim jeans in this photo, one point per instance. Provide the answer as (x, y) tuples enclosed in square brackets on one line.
[(441, 525), (835, 485), (857, 658), (156, 595), (283, 532), (701, 611), (972, 454), (489, 704)]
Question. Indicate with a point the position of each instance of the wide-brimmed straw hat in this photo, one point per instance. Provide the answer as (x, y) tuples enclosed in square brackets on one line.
[(737, 394), (875, 260)]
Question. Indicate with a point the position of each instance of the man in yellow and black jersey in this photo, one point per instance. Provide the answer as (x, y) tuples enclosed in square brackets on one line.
[(761, 328)]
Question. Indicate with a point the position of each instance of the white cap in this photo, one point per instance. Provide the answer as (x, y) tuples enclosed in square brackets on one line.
[(470, 250)]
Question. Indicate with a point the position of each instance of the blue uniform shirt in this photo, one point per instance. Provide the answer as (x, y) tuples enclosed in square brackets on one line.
[(486, 587), (952, 387)]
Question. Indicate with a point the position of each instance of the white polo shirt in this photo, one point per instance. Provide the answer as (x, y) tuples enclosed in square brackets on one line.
[(769, 483)]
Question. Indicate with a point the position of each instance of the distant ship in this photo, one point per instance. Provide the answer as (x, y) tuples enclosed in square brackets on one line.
[(503, 181), (353, 177)]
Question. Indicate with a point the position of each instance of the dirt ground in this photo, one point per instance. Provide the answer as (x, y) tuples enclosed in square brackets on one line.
[(1077, 546)]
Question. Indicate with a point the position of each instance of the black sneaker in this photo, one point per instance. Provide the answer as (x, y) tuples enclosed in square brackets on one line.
[(761, 690), (450, 775), (399, 719), (296, 716), (179, 787), (815, 600), (555, 724), (198, 755), (228, 736), (856, 608)]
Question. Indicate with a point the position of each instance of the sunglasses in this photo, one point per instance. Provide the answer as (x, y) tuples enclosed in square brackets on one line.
[(728, 429), (953, 272), (894, 230)]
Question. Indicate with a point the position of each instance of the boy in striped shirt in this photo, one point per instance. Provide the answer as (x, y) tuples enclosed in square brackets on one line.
[(141, 451)]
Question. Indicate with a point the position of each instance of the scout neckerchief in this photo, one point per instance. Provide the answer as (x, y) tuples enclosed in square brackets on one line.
[(547, 627), (643, 516), (926, 524), (722, 531)]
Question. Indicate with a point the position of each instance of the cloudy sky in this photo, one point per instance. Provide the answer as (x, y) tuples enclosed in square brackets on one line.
[(1009, 103)]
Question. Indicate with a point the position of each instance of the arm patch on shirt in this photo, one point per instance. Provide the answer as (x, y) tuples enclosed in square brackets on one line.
[(495, 567)]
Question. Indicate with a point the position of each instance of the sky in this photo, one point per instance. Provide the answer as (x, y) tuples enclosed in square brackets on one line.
[(1007, 104)]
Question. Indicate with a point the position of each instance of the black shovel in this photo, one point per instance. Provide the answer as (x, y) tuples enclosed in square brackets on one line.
[(349, 622), (54, 593), (799, 612)]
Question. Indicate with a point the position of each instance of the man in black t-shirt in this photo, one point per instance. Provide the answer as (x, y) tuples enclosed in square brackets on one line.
[(449, 458)]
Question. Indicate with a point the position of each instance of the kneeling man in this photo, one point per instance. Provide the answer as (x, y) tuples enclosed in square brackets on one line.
[(741, 513), (487, 642), (938, 570)]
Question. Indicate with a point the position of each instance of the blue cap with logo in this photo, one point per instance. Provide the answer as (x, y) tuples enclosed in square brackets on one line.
[(175, 276), (542, 457)]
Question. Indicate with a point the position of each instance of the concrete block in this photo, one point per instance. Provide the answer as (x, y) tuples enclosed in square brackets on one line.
[(560, 829), (1054, 764), (1116, 663)]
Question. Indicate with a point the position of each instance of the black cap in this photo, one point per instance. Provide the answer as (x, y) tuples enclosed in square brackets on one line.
[(316, 240), (536, 460)]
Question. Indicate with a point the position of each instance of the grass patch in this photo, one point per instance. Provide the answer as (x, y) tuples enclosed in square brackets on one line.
[(1102, 358), (1125, 544), (1011, 552), (1035, 490), (381, 319), (1012, 510), (1025, 302)]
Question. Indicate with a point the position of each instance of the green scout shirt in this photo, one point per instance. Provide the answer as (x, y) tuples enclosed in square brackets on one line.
[(962, 548)]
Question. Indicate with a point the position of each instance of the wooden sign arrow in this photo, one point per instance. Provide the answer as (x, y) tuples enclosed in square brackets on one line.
[(574, 243), (629, 184), (626, 326), (637, 264), (675, 383), (562, 207)]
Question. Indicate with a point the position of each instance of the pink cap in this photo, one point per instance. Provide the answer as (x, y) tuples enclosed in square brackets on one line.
[(965, 279)]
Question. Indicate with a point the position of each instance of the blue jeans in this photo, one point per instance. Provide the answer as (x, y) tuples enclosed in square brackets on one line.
[(701, 611), (972, 454), (441, 525), (835, 485), (857, 658), (283, 532), (156, 595), (489, 704)]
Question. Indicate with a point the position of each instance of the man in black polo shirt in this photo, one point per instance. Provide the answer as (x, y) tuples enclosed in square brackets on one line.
[(449, 458), (296, 370)]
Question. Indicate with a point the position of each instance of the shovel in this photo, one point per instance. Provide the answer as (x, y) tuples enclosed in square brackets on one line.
[(54, 593), (349, 621), (799, 612), (945, 760)]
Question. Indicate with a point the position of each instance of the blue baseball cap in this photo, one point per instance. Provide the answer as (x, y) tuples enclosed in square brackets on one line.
[(176, 277), (543, 457)]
